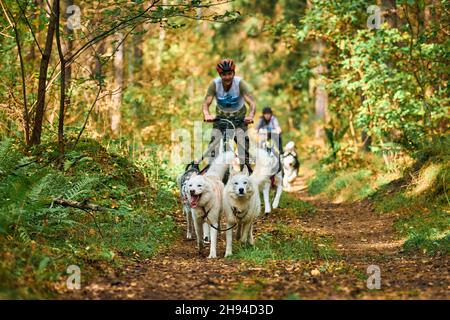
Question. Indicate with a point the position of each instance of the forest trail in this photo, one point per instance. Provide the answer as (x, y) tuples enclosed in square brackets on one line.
[(360, 236), (102, 104)]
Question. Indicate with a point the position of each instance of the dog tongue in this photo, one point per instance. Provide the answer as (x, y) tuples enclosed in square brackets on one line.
[(194, 201)]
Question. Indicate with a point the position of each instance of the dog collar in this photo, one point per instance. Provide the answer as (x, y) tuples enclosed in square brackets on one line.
[(289, 154)]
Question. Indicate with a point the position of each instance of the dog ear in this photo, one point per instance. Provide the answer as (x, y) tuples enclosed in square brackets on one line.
[(233, 172), (290, 146), (245, 171), (235, 164)]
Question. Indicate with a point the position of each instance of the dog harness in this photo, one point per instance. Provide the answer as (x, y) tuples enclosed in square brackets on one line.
[(205, 218), (236, 212)]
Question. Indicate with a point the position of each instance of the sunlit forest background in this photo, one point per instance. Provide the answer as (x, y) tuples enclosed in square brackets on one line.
[(91, 92)]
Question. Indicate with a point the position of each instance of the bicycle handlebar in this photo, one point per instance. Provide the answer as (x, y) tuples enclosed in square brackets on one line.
[(224, 119), (266, 130)]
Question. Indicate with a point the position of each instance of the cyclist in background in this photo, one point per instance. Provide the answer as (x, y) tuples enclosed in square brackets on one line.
[(270, 123)]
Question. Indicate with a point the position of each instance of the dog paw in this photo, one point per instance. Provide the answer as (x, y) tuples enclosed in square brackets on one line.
[(189, 236), (228, 254), (212, 256)]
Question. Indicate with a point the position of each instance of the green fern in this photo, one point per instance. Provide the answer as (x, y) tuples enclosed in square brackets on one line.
[(9, 158), (26, 194), (81, 187), (23, 235)]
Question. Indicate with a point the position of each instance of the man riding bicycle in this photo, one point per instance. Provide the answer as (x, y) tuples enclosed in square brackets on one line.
[(231, 94)]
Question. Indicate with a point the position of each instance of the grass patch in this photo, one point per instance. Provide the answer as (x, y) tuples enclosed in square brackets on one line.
[(247, 291), (320, 181), (426, 231), (295, 206), (395, 202), (143, 234), (292, 296), (347, 184), (428, 245), (285, 243)]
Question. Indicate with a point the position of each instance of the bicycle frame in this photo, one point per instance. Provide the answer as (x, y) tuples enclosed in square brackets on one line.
[(224, 142)]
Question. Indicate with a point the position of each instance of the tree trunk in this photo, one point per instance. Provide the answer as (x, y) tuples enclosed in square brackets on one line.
[(162, 39), (26, 121), (31, 55), (199, 17), (62, 97), (291, 124), (65, 76), (136, 56), (67, 53), (98, 66), (365, 138), (136, 60), (319, 91), (321, 104), (390, 9), (116, 100), (45, 60)]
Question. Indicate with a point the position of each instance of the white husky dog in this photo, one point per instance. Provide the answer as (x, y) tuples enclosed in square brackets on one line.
[(241, 205), (182, 180), (267, 172), (205, 199), (290, 165)]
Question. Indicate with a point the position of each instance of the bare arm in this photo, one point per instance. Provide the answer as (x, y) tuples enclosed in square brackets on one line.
[(206, 104), (249, 99)]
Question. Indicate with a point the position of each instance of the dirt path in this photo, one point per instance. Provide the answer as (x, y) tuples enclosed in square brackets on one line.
[(361, 237), (364, 237)]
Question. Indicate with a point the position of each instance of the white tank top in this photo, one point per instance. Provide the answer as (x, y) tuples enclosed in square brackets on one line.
[(232, 100)]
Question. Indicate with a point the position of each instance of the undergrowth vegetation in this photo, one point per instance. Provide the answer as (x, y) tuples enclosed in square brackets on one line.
[(421, 197), (350, 183), (40, 237)]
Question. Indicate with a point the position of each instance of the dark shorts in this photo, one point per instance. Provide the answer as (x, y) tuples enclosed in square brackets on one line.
[(239, 134)]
